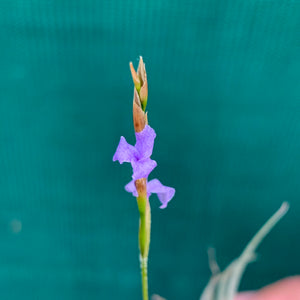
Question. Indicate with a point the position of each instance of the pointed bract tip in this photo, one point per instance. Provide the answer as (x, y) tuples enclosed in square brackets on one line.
[(141, 70), (135, 77), (141, 63)]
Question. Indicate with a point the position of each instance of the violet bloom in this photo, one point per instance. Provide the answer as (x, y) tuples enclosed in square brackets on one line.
[(138, 155), (142, 165), (154, 186)]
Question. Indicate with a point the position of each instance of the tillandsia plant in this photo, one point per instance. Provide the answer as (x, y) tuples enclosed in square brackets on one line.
[(224, 285), (139, 158)]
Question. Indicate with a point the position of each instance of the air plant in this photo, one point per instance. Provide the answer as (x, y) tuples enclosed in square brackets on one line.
[(224, 285)]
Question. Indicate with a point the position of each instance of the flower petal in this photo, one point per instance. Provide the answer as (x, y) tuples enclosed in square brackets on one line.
[(145, 142), (164, 193), (125, 152), (142, 168), (130, 188)]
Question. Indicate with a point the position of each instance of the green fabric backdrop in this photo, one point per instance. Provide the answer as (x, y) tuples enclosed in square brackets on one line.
[(224, 99)]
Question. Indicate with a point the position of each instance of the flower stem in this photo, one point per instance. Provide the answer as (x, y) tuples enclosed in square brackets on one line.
[(144, 241), (144, 272)]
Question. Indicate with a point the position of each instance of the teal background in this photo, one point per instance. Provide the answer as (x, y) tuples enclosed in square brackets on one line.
[(224, 99)]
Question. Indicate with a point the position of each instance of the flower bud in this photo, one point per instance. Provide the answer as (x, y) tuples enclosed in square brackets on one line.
[(141, 71), (139, 117), (144, 94), (135, 77), (140, 82)]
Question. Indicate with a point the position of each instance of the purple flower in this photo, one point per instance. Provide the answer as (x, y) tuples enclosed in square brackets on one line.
[(154, 186), (142, 165), (138, 155)]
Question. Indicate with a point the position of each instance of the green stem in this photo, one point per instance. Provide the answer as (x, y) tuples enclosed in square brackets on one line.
[(144, 271), (144, 241)]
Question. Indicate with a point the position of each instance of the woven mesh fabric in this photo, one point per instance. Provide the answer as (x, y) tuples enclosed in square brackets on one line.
[(224, 98)]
